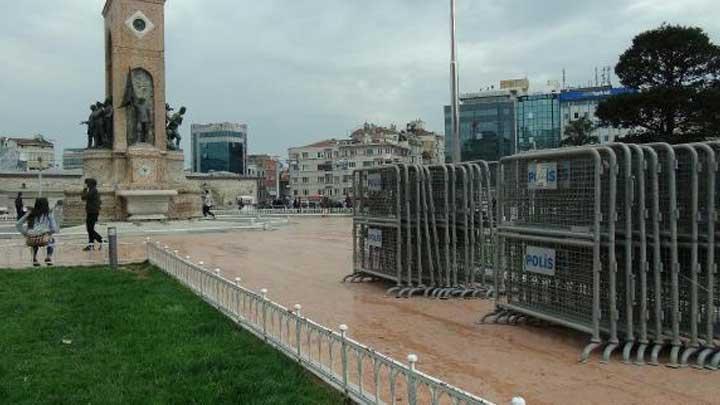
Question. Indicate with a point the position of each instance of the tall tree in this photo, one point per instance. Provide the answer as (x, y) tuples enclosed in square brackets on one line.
[(676, 71), (579, 132)]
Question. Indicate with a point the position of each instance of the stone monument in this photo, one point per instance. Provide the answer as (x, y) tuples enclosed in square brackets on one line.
[(139, 177)]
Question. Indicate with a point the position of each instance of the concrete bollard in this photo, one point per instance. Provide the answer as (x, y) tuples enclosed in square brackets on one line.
[(113, 248)]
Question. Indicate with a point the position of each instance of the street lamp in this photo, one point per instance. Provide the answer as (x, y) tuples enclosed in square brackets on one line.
[(454, 89), (40, 170)]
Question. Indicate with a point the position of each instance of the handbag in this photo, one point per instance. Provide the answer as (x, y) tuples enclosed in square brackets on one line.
[(38, 240)]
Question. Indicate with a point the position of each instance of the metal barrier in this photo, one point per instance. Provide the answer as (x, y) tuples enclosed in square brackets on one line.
[(377, 225), (644, 222), (427, 228), (550, 238), (361, 373)]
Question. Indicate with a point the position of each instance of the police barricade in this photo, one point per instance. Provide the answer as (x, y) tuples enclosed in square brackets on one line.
[(701, 308), (644, 175), (708, 305), (442, 216), (377, 244), (550, 233), (481, 225), (438, 181), (656, 285), (711, 310), (416, 258), (664, 290)]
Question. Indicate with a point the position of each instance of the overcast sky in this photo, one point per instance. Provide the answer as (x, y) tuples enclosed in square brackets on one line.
[(301, 71)]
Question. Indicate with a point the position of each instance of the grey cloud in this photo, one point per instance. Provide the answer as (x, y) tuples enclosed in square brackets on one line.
[(297, 71)]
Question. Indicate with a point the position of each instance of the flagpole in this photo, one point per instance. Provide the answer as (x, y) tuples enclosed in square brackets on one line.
[(454, 89)]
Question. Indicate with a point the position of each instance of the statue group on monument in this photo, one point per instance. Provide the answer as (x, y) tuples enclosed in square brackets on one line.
[(100, 125)]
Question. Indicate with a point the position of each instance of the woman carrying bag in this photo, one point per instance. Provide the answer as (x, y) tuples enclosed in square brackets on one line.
[(38, 227)]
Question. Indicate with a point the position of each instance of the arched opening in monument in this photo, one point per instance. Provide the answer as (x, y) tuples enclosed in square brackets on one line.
[(139, 100)]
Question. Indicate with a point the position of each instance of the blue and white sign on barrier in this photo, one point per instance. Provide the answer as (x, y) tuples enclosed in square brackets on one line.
[(375, 237), (542, 176), (375, 182), (540, 260)]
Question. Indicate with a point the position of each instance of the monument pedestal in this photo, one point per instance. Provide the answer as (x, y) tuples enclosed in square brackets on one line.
[(147, 205), (143, 184)]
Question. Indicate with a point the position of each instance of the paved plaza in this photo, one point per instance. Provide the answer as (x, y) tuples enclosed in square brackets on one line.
[(305, 262)]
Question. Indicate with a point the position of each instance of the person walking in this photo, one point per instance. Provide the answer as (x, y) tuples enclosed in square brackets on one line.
[(19, 206), (91, 196), (38, 226), (207, 204)]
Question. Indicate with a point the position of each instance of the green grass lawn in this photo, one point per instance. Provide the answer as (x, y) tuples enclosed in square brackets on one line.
[(92, 336)]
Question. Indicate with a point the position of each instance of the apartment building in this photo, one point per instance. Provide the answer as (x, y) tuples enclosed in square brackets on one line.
[(325, 168)]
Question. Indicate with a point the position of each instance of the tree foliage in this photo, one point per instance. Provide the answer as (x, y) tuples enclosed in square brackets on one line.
[(676, 71), (579, 132)]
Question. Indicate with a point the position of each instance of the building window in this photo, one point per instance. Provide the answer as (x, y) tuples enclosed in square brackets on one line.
[(321, 180), (305, 192), (351, 164), (305, 155), (305, 180), (577, 115), (295, 192), (367, 164), (369, 152)]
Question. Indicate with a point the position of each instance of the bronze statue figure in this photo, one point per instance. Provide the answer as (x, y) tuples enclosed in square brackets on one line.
[(90, 126), (140, 116), (108, 112), (99, 123), (98, 118), (143, 120), (172, 126)]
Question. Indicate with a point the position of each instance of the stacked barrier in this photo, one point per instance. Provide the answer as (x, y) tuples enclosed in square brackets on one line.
[(616, 241), (427, 229)]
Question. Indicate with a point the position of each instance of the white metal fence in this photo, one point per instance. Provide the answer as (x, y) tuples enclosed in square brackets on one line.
[(284, 212), (361, 373)]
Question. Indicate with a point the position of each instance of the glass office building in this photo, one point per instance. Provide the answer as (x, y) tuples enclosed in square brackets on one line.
[(487, 126), (219, 148), (538, 122)]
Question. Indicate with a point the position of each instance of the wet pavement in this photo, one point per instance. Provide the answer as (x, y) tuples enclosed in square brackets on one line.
[(305, 262)]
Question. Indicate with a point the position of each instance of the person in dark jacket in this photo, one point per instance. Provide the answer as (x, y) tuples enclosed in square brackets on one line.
[(91, 196), (19, 206)]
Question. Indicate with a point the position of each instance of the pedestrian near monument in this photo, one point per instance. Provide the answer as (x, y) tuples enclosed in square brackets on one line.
[(92, 211), (207, 204), (19, 206), (38, 227)]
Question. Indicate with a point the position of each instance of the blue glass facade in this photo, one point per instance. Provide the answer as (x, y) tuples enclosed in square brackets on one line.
[(538, 122), (219, 151), (487, 128)]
